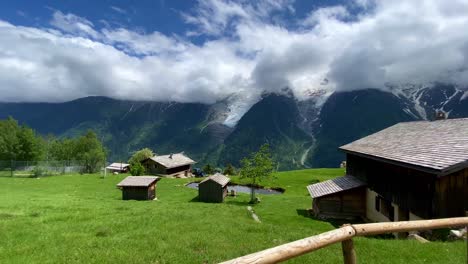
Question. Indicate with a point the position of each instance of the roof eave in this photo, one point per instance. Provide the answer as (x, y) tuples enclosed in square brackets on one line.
[(394, 162)]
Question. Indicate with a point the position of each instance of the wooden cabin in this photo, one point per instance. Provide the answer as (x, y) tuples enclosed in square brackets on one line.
[(413, 170), (173, 165), (213, 189), (342, 198), (138, 187), (118, 167)]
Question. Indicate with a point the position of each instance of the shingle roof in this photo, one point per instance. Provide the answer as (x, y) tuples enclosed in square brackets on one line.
[(438, 145), (336, 185), (218, 178), (117, 166), (138, 181), (173, 160)]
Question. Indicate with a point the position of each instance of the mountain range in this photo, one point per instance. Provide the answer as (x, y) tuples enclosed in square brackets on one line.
[(301, 133)]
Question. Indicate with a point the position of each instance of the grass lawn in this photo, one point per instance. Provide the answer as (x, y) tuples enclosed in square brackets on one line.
[(82, 219)]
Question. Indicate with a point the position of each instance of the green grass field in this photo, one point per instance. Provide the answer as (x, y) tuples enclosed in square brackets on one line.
[(82, 219)]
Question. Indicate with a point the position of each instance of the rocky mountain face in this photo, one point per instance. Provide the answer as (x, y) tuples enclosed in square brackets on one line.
[(301, 134)]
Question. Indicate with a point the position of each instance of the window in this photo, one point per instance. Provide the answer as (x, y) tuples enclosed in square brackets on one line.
[(384, 207)]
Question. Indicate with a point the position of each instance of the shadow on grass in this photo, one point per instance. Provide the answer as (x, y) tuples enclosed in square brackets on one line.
[(237, 202)]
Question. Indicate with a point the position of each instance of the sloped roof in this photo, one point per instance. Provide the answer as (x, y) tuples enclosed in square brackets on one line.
[(218, 178), (439, 146), (117, 166), (336, 185), (138, 181), (173, 160)]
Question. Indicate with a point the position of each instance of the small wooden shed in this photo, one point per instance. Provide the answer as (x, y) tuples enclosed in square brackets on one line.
[(213, 189), (138, 187), (339, 198)]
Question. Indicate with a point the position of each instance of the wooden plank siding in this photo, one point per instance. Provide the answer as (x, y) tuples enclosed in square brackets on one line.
[(342, 205), (138, 193), (211, 192), (424, 194), (452, 194)]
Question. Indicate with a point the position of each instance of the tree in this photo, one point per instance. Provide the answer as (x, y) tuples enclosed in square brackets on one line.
[(229, 170), (140, 155), (137, 169), (19, 142), (90, 151), (258, 167), (208, 169)]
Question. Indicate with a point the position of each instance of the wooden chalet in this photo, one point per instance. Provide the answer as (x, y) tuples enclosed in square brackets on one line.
[(213, 189), (412, 170), (173, 165), (138, 187), (118, 167)]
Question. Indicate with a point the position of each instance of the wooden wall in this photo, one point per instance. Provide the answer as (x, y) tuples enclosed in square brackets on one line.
[(452, 194), (211, 192), (185, 168), (139, 193), (343, 205), (421, 193)]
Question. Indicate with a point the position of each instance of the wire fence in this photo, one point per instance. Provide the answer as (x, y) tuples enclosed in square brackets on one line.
[(15, 168)]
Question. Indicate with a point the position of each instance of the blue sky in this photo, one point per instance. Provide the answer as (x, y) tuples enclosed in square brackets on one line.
[(164, 16), (209, 50)]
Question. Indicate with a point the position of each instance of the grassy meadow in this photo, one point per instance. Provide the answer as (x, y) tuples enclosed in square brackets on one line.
[(82, 219)]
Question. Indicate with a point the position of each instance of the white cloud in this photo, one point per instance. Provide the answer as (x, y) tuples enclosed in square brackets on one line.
[(247, 54), (73, 24)]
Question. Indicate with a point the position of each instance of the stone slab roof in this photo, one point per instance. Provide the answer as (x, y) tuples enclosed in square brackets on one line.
[(436, 145), (138, 181), (173, 160), (334, 186), (218, 178)]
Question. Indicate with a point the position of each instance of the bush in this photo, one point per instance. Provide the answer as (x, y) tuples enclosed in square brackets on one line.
[(39, 171), (136, 169)]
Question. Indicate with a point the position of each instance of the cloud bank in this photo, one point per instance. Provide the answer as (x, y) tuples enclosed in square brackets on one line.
[(249, 49)]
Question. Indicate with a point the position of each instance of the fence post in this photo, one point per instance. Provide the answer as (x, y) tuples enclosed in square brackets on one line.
[(349, 254), (11, 168)]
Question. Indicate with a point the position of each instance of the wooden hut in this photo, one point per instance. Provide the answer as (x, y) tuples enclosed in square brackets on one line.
[(174, 165), (138, 187), (413, 170), (118, 167), (342, 197), (213, 189)]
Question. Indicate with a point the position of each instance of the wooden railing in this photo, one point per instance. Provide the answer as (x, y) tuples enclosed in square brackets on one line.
[(345, 235)]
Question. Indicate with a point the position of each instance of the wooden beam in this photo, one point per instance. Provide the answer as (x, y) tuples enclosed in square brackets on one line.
[(349, 254), (303, 246), (296, 248), (407, 226)]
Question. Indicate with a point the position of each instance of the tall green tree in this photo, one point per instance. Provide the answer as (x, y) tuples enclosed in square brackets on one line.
[(257, 167), (140, 156), (19, 142), (90, 151)]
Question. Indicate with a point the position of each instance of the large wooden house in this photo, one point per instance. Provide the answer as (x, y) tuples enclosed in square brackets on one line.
[(409, 171), (173, 165)]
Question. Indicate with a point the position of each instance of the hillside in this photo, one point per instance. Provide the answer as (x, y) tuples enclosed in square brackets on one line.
[(302, 134), (82, 219)]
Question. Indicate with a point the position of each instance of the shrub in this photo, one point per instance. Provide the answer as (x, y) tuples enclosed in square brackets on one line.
[(137, 169)]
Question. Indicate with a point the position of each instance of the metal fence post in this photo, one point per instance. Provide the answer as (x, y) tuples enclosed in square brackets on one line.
[(11, 168)]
